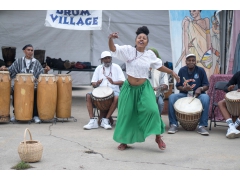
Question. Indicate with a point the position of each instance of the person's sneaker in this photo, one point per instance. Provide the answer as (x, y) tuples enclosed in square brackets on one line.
[(36, 119), (93, 124), (202, 131), (105, 123), (237, 133), (232, 133), (13, 119), (173, 129)]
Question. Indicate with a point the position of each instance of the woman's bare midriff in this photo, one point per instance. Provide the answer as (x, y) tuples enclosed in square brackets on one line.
[(136, 81)]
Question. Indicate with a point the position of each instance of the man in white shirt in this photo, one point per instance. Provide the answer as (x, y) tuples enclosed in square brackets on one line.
[(160, 84), (107, 74)]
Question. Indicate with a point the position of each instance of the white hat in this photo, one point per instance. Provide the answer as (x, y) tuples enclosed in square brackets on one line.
[(189, 55), (105, 54)]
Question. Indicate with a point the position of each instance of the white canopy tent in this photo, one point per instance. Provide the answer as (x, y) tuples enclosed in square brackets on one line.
[(19, 27)]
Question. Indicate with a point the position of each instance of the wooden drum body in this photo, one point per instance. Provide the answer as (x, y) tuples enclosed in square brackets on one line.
[(188, 114), (102, 97), (46, 96), (23, 96), (233, 102), (64, 96), (5, 89)]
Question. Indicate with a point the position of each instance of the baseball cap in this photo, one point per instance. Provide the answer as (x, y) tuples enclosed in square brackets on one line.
[(189, 55), (105, 54)]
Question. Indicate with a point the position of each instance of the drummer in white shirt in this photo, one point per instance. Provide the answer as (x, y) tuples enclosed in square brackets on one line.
[(107, 74), (159, 82)]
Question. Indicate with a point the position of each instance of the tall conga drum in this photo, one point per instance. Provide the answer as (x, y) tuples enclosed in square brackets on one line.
[(64, 96), (23, 96), (8, 54), (5, 89), (188, 112), (46, 96)]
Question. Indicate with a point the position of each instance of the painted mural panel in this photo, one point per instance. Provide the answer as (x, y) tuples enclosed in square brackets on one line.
[(197, 32)]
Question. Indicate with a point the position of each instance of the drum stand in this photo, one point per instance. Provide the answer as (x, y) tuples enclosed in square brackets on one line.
[(54, 120), (67, 119)]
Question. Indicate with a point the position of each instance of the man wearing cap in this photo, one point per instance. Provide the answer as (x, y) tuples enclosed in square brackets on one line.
[(107, 74), (192, 78), (27, 64)]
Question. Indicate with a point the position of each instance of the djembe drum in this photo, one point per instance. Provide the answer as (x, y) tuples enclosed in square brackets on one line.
[(46, 96), (102, 97), (5, 89), (188, 113), (23, 96), (64, 95), (232, 99)]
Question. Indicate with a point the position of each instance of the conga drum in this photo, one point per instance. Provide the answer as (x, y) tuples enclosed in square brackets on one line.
[(102, 97), (8, 54), (46, 96), (5, 89), (188, 114), (23, 96), (232, 99), (64, 96)]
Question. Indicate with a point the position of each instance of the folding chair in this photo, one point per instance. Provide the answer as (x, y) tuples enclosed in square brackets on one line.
[(219, 86)]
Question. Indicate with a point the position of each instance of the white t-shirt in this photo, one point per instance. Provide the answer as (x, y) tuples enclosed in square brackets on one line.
[(28, 61), (137, 65), (114, 72), (158, 78)]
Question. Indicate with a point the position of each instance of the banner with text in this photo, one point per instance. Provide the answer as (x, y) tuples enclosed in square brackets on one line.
[(74, 19)]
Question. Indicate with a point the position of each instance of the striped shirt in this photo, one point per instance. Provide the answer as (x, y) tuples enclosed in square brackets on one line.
[(19, 66)]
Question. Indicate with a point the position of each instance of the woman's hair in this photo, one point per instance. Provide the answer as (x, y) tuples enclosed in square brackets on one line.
[(143, 30)]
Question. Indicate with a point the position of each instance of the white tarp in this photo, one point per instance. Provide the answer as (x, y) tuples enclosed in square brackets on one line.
[(20, 27), (74, 19)]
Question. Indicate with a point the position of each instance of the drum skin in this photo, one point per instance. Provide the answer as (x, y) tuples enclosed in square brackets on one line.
[(5, 89), (188, 114), (102, 97), (23, 97), (46, 96), (64, 95), (232, 99)]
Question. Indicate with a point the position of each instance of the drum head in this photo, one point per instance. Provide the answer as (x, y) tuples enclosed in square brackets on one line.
[(47, 75), (102, 91), (233, 95), (4, 72), (182, 105)]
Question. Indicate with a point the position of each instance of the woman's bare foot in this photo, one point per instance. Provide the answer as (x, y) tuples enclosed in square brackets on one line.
[(160, 142), (122, 147)]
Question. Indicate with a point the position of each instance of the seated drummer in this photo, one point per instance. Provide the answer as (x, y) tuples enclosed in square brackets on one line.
[(107, 74), (232, 132), (197, 82), (27, 64)]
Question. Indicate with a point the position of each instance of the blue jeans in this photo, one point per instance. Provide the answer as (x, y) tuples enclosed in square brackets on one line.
[(205, 100), (160, 103)]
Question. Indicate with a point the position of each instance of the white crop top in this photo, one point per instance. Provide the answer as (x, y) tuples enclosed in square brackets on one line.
[(137, 66)]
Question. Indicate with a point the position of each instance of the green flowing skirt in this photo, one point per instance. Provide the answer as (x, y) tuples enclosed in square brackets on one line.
[(138, 114)]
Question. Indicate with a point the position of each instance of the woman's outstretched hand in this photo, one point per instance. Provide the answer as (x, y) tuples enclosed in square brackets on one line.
[(113, 35), (176, 76)]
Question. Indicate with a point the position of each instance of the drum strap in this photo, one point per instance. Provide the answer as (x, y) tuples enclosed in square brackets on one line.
[(29, 67)]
